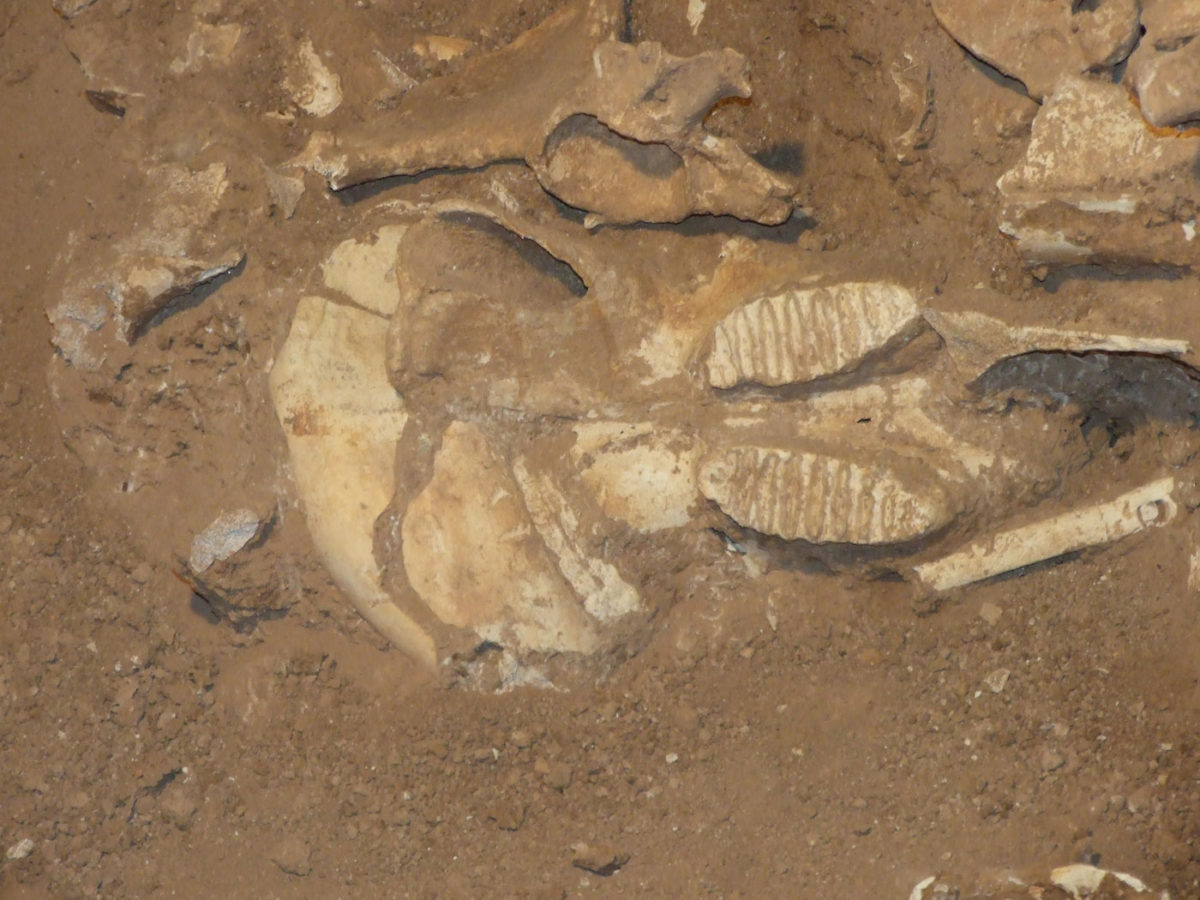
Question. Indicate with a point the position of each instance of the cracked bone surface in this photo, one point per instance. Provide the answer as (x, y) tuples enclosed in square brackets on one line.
[(612, 128), (1098, 185), (538, 481)]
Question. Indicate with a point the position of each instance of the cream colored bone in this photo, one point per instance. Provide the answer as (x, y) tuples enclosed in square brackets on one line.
[(1090, 526), (342, 420), (612, 128), (472, 553)]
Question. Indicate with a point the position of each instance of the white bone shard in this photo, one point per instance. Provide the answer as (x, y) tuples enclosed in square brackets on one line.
[(1090, 526), (799, 335), (820, 498)]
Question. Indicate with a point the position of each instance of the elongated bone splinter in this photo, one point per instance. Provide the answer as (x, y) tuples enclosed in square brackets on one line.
[(1090, 526)]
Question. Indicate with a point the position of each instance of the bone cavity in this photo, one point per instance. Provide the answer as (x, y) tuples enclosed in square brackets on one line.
[(1089, 526), (822, 499), (799, 335)]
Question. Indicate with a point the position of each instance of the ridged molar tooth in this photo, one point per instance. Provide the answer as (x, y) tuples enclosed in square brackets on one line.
[(798, 335), (821, 498)]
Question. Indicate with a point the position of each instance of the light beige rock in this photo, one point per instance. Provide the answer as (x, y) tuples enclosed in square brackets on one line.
[(612, 128), (314, 88), (1039, 42), (208, 45), (441, 47), (1097, 185), (1164, 71)]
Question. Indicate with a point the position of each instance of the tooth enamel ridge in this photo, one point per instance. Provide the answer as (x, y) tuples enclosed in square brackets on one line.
[(820, 498), (798, 335)]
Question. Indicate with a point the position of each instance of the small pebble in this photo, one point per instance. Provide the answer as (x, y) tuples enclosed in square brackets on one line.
[(997, 680), (21, 849), (990, 612)]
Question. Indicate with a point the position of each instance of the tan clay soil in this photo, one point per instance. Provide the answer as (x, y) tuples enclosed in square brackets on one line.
[(825, 742)]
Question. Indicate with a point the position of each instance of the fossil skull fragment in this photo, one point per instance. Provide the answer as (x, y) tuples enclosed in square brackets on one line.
[(482, 451), (612, 128)]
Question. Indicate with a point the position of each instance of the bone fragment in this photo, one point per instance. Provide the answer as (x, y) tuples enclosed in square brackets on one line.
[(976, 341), (822, 499), (612, 128), (343, 420), (473, 555), (1078, 529), (1038, 42), (228, 533), (1165, 69), (1082, 881), (1098, 185), (606, 595), (799, 335), (639, 474)]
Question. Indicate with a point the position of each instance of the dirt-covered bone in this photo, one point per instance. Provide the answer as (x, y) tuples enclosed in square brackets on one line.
[(612, 128), (1038, 42), (1098, 185), (542, 477)]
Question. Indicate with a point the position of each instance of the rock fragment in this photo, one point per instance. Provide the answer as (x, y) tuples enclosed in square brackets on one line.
[(293, 856), (20, 850), (1039, 42), (228, 533)]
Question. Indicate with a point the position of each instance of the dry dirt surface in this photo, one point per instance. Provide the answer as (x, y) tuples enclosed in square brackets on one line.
[(158, 739)]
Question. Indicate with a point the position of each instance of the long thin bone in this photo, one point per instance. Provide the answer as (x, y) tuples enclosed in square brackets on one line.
[(1090, 526)]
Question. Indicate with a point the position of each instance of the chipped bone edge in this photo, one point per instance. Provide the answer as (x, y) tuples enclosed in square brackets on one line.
[(1101, 523)]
